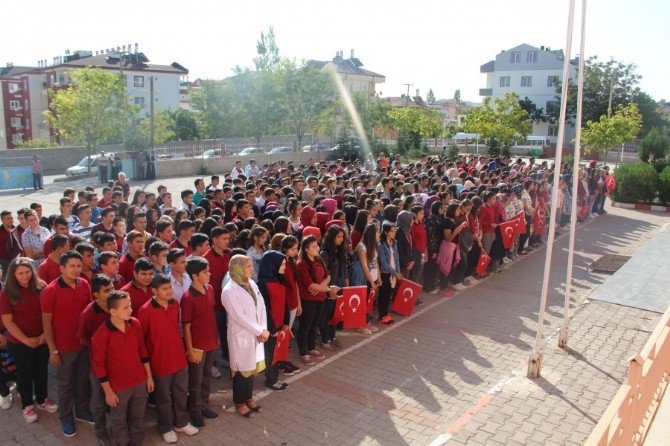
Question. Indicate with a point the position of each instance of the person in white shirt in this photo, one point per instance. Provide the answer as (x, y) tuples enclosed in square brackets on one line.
[(180, 280), (252, 169), (237, 170)]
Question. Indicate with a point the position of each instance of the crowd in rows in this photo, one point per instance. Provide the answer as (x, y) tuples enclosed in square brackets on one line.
[(132, 297)]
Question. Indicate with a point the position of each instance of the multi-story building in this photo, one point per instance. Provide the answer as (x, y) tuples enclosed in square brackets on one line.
[(24, 90), (531, 73), (355, 78)]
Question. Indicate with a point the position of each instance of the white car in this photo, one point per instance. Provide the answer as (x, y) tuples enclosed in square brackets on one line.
[(277, 150), (251, 151), (81, 167), (211, 153)]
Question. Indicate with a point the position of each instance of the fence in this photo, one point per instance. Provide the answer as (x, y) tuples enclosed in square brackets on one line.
[(627, 418)]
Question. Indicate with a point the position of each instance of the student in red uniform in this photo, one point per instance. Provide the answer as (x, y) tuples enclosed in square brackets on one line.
[(104, 241), (22, 317), (135, 248), (121, 362), (49, 270), (87, 252), (199, 326), (62, 302), (109, 266), (61, 227), (218, 257), (90, 320), (183, 232), (199, 244), (159, 320), (139, 288)]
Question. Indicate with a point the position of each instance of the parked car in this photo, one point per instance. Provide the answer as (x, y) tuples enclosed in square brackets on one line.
[(251, 151), (277, 150), (211, 153), (81, 167), (319, 147)]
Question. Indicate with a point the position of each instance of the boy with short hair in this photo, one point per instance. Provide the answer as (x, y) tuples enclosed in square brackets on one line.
[(158, 252), (87, 252), (138, 289), (199, 244), (199, 326), (93, 316), (109, 266), (180, 281), (187, 201), (184, 231), (135, 248), (121, 363), (159, 320), (62, 301), (49, 270)]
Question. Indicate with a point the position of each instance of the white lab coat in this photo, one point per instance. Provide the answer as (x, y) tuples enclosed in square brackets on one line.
[(246, 321)]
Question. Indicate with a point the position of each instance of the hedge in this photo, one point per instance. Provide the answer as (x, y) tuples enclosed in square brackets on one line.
[(664, 185), (636, 183)]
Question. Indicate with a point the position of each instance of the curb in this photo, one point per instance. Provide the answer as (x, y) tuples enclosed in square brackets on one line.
[(641, 207)]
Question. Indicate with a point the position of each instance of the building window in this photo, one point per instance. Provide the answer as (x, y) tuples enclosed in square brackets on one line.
[(531, 57), (552, 81), (61, 79), (139, 101), (138, 81), (553, 130), (13, 88), (504, 81), (16, 123), (14, 105), (514, 57), (18, 137), (526, 81)]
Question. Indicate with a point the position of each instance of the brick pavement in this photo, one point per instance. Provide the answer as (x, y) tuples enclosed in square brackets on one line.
[(455, 371)]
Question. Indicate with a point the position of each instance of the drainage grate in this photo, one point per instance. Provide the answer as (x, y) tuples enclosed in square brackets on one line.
[(609, 263)]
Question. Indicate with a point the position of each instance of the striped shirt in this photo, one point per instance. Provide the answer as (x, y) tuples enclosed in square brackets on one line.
[(83, 231), (35, 241)]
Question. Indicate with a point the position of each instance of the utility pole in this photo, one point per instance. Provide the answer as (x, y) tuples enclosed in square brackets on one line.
[(407, 97), (151, 110)]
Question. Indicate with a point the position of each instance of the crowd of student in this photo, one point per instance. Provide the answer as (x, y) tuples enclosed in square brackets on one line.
[(131, 298)]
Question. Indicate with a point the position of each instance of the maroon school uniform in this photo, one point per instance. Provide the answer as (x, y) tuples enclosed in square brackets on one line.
[(118, 356), (137, 296), (198, 310), (101, 228), (127, 267), (47, 244), (160, 328), (48, 270), (218, 267), (177, 244), (26, 312), (66, 305), (89, 321)]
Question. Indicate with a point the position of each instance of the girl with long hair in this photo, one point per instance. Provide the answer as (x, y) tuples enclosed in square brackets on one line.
[(390, 270), (257, 239), (333, 254), (138, 198)]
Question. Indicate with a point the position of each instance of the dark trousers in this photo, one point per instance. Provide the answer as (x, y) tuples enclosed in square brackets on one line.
[(37, 180), (309, 320), (98, 407), (32, 366), (327, 330), (243, 388), (271, 371), (73, 384), (171, 394), (128, 416), (221, 325), (458, 271), (199, 377), (473, 258), (103, 174), (433, 277), (523, 238), (416, 275), (385, 294)]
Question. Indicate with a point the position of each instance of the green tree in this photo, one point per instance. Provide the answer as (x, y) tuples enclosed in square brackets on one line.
[(213, 105), (268, 52), (457, 95), (92, 110), (652, 118), (257, 97), (535, 114), (654, 146), (608, 132), (139, 136), (430, 97), (35, 144), (500, 123), (185, 125), (414, 125)]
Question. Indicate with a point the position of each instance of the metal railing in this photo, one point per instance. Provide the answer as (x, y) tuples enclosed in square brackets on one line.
[(627, 418)]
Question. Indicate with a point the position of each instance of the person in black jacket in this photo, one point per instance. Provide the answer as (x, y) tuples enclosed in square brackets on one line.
[(334, 257)]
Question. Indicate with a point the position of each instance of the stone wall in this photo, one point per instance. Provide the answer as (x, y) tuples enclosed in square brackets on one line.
[(54, 160)]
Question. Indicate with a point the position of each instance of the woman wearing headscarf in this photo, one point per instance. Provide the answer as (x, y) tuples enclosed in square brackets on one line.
[(307, 217), (331, 206), (247, 331), (308, 195), (271, 270)]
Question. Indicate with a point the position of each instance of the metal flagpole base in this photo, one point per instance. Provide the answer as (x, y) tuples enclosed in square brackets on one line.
[(563, 336), (534, 365)]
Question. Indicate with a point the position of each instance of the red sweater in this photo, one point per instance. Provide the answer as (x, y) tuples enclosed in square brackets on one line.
[(419, 237), (486, 218)]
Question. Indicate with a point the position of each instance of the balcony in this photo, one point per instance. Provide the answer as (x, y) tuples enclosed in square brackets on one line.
[(485, 91)]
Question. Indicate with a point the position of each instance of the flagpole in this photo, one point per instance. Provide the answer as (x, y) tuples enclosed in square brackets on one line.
[(563, 336), (535, 358)]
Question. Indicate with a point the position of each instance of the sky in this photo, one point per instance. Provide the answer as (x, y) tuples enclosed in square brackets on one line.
[(430, 44)]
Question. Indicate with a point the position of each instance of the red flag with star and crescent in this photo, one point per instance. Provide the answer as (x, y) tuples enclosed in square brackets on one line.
[(354, 306), (483, 263), (519, 223), (281, 346), (405, 297), (507, 234), (371, 300)]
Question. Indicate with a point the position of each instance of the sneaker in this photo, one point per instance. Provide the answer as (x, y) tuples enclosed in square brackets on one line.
[(327, 346), (86, 417), (68, 428), (336, 344), (286, 370), (48, 405), (6, 403), (189, 429), (307, 360), (316, 354), (197, 421), (458, 286), (365, 331), (170, 437), (216, 373), (209, 414), (293, 367), (278, 386), (448, 293), (387, 320), (419, 302), (371, 327), (30, 415), (506, 260), (435, 291)]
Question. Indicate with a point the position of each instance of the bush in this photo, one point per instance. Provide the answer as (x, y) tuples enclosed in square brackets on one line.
[(655, 145), (535, 153), (203, 170), (636, 183), (664, 185), (453, 151)]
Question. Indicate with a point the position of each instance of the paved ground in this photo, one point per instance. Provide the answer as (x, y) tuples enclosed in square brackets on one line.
[(453, 373)]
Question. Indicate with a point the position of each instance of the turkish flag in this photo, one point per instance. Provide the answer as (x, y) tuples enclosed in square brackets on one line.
[(338, 315), (507, 234), (539, 224), (483, 263), (277, 293), (520, 223), (371, 300), (281, 346), (354, 306), (405, 297)]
